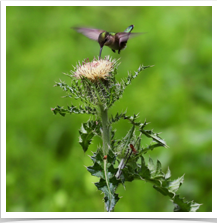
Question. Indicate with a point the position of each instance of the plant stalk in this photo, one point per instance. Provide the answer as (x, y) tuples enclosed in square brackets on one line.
[(105, 129), (106, 142)]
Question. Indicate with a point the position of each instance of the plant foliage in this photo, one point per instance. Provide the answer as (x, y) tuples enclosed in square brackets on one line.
[(126, 158), (136, 168)]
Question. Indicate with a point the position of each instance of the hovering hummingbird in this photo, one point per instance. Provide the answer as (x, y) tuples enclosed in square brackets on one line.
[(115, 41)]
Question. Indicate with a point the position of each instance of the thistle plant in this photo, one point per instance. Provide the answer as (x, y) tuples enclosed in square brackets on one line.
[(117, 161)]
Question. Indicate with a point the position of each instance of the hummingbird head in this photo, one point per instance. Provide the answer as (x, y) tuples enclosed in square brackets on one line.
[(103, 38)]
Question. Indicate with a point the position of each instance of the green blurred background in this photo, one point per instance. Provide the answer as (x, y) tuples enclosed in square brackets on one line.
[(45, 163)]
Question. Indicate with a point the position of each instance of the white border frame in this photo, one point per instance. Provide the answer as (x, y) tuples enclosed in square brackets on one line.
[(50, 215)]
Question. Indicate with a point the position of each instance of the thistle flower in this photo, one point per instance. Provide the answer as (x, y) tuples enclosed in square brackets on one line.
[(94, 82), (95, 70)]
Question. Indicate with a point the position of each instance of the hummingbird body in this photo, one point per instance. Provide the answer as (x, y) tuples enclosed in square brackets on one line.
[(115, 41), (112, 40)]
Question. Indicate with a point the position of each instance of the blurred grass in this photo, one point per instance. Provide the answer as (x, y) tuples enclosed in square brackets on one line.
[(45, 163)]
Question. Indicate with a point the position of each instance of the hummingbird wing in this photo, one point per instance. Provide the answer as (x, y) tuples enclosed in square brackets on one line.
[(90, 33), (135, 34), (123, 37)]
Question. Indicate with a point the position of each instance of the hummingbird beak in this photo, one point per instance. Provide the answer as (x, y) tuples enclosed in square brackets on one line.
[(100, 52)]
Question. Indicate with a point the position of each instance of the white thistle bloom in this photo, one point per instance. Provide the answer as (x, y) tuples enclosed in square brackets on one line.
[(97, 69)]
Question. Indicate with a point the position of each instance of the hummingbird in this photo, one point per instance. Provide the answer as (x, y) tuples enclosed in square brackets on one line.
[(115, 41)]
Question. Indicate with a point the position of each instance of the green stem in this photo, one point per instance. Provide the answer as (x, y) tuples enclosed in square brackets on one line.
[(105, 129), (106, 142), (107, 182)]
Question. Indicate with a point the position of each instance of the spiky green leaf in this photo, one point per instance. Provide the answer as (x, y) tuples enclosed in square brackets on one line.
[(104, 169), (181, 205), (87, 132), (73, 109), (154, 136)]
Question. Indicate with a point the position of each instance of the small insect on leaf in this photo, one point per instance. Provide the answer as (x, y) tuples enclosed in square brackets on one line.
[(105, 157), (133, 149)]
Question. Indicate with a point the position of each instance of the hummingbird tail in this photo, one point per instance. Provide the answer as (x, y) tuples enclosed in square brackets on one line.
[(129, 29)]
